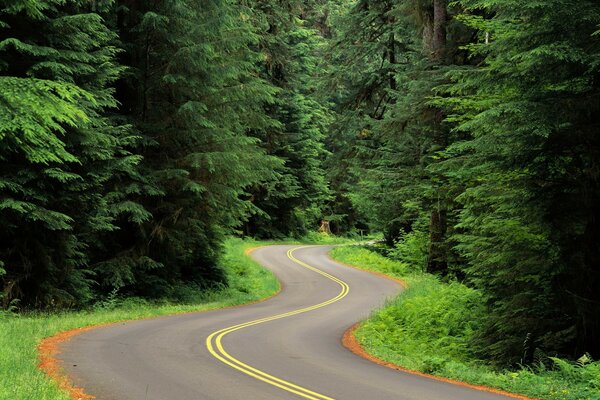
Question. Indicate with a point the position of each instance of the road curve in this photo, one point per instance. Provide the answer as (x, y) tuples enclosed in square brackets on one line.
[(288, 347)]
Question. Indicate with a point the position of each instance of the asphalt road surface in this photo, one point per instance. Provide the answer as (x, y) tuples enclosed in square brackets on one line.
[(288, 347)]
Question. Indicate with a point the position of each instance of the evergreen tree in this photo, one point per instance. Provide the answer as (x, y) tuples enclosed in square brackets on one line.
[(291, 202), (529, 228), (59, 152), (134, 135), (393, 55), (193, 94), (359, 84)]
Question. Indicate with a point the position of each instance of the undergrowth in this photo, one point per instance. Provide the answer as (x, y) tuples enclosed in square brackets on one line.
[(429, 328)]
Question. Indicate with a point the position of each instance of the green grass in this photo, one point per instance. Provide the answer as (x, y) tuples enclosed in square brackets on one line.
[(20, 334), (429, 326)]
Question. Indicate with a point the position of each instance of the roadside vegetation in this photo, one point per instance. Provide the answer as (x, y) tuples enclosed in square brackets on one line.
[(431, 326), (20, 333)]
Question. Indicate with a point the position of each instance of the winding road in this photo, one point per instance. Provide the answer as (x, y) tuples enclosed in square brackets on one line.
[(287, 347)]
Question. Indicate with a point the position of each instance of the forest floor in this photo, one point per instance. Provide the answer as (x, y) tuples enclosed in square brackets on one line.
[(429, 326)]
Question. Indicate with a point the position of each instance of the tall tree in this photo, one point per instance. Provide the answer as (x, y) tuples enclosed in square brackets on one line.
[(362, 54), (194, 94), (393, 55), (59, 152), (529, 228), (438, 254), (291, 202)]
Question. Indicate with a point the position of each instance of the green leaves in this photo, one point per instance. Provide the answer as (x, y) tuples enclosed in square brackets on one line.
[(292, 199), (494, 143)]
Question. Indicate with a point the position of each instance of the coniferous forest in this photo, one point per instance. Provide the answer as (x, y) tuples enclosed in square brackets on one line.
[(136, 136)]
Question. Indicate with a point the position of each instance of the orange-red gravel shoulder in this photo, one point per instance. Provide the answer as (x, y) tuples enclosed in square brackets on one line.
[(350, 341), (48, 351)]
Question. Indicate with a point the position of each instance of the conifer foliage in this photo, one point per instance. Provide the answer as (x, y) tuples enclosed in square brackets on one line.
[(193, 93), (530, 166), (128, 143), (290, 203), (60, 151)]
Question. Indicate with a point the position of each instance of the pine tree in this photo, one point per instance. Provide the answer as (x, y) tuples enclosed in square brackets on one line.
[(292, 202), (393, 56), (359, 83)]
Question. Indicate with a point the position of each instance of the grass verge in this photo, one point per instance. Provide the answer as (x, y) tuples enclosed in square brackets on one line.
[(20, 334), (429, 326)]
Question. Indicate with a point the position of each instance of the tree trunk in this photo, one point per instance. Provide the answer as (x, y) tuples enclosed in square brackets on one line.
[(392, 58), (438, 40), (437, 258), (427, 37)]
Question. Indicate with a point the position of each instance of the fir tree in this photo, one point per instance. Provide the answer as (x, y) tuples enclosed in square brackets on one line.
[(359, 84), (291, 203), (193, 94), (529, 228), (59, 151)]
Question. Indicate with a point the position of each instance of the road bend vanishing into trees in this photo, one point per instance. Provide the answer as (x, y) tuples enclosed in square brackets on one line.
[(287, 347)]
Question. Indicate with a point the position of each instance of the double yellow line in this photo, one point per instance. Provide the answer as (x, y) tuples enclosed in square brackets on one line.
[(215, 345)]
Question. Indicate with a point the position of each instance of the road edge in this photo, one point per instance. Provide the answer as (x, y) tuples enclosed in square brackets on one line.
[(50, 347), (350, 342)]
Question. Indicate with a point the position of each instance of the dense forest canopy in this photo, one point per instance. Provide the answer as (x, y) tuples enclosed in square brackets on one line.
[(136, 135)]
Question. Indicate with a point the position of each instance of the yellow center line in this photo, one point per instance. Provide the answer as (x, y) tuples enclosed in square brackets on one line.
[(215, 346)]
